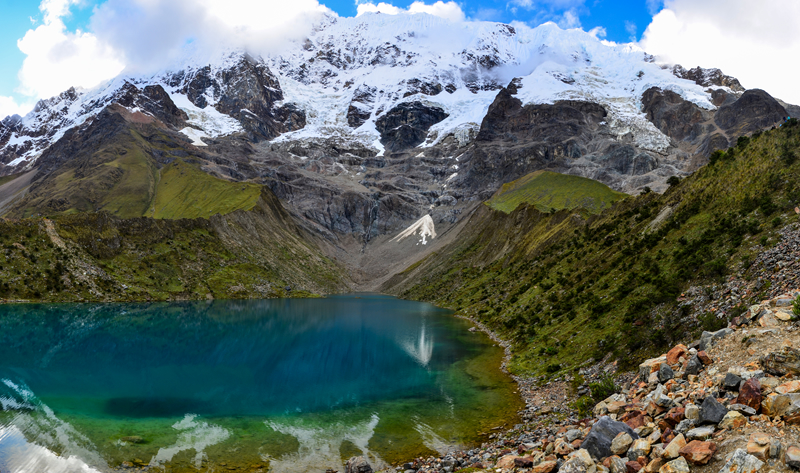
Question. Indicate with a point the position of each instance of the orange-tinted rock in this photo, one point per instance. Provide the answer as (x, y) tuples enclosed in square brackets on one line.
[(697, 452), (667, 435), (545, 467), (790, 387), (704, 358), (674, 416), (676, 353), (750, 394), (634, 419)]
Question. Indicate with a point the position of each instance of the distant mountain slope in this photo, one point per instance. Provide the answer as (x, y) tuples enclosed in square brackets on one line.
[(548, 191), (371, 124), (565, 288)]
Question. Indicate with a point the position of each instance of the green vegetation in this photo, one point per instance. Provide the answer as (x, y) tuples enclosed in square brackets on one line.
[(548, 190), (98, 257), (185, 191), (564, 287)]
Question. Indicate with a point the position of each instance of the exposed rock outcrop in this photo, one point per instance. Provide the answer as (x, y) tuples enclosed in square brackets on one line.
[(406, 125)]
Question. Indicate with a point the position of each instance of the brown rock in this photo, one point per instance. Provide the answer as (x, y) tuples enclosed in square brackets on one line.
[(506, 462), (524, 462), (697, 452), (704, 358), (750, 394), (654, 466), (775, 404), (634, 419), (732, 420), (758, 445), (545, 467), (632, 467), (676, 353), (667, 435), (674, 416), (793, 419)]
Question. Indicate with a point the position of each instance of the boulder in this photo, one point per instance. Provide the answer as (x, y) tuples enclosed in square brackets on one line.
[(711, 411), (678, 465), (616, 464), (621, 443), (691, 411), (708, 339), (746, 411), (758, 445), (357, 465), (524, 462), (750, 394), (545, 467), (672, 450), (732, 420), (665, 373), (604, 431), (704, 358), (793, 456), (507, 462), (790, 387), (632, 467), (776, 404), (742, 462), (731, 382), (697, 452), (780, 363), (639, 448), (676, 353), (694, 366), (580, 462), (700, 433)]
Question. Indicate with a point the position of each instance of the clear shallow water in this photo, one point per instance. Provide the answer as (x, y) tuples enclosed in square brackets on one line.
[(289, 385)]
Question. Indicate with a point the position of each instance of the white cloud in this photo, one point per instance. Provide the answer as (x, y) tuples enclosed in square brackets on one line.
[(150, 33), (449, 10), (569, 20), (759, 45), (57, 60), (143, 35), (9, 106)]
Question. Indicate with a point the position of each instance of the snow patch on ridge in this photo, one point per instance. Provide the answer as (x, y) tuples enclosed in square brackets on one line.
[(425, 228)]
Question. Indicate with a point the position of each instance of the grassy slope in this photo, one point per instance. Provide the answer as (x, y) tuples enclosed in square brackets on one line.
[(184, 191), (245, 254), (122, 177), (548, 190), (567, 287)]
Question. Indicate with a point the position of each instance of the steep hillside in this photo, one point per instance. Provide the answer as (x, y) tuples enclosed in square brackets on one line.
[(256, 253), (569, 286), (548, 191)]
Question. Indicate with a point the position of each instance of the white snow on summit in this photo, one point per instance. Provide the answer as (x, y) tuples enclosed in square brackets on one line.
[(390, 56)]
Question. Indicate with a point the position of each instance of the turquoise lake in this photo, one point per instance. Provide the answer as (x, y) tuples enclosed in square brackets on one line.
[(288, 385)]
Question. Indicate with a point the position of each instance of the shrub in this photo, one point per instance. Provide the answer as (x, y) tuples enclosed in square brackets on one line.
[(603, 388), (796, 306), (673, 181), (584, 405)]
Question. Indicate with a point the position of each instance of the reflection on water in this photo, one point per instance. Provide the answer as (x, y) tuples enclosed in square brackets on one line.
[(293, 384), (320, 447)]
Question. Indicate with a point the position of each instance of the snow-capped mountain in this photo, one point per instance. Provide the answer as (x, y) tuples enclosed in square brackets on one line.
[(372, 122), (350, 71)]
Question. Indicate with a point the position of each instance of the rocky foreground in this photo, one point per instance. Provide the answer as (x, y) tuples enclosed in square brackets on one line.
[(727, 403)]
